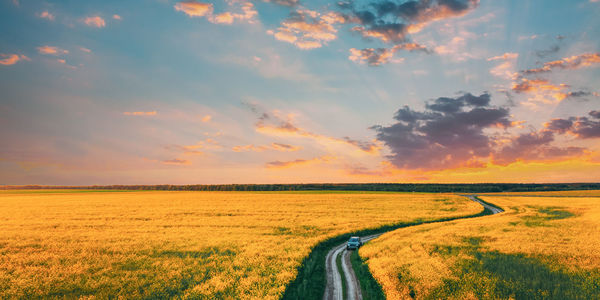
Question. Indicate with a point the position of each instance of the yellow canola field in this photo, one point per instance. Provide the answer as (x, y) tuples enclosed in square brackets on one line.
[(183, 244), (545, 238), (577, 193)]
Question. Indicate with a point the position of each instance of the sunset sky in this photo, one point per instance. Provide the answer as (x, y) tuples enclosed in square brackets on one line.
[(299, 91)]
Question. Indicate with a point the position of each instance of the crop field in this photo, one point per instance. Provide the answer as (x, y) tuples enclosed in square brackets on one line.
[(186, 244), (545, 246)]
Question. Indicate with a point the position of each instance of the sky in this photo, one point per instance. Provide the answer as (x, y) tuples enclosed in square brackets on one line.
[(299, 91)]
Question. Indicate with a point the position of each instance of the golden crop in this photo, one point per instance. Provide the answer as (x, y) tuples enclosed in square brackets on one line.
[(183, 244), (550, 235)]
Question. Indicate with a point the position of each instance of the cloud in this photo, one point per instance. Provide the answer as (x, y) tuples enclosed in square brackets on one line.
[(278, 125), (140, 113), (261, 148), (242, 11), (94, 21), (117, 17), (292, 163), (379, 56), (448, 134), (206, 118), (176, 161), (371, 56), (507, 68), (573, 62), (308, 29), (581, 127), (194, 8), (534, 146), (86, 50), (11, 59), (46, 15), (51, 50), (391, 22), (540, 87), (289, 3)]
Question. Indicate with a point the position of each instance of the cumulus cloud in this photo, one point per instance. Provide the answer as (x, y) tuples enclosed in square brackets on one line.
[(11, 59), (51, 50), (391, 22), (581, 127), (273, 146), (241, 11), (534, 146), (94, 21), (572, 62), (449, 133), (308, 29)]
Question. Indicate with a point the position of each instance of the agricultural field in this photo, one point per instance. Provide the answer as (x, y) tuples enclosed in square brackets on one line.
[(545, 246), (184, 244)]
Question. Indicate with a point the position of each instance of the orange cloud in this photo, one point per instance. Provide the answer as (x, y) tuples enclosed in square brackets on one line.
[(194, 8), (51, 50), (94, 21), (242, 11), (573, 62), (206, 118), (308, 29), (261, 148), (288, 164), (507, 68), (46, 15), (117, 17), (534, 85), (140, 113), (11, 59), (85, 50)]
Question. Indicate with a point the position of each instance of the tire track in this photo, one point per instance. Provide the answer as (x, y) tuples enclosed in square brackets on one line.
[(334, 288)]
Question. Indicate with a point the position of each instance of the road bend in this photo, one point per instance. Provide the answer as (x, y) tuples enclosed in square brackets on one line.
[(334, 288)]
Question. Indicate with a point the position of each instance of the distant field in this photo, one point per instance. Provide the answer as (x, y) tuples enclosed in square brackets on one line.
[(581, 193), (540, 248), (183, 244)]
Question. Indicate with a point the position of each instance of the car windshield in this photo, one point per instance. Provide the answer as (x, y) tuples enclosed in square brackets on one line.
[(353, 239)]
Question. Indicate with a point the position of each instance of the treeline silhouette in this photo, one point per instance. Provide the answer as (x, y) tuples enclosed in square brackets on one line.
[(388, 187)]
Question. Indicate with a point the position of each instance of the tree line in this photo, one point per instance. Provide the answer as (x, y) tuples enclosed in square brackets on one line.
[(387, 187)]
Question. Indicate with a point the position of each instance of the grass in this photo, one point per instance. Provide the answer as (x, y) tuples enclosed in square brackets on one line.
[(492, 274), (164, 244), (540, 248), (338, 262), (369, 287)]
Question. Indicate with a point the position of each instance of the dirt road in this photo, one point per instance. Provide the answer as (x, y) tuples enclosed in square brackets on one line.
[(334, 289)]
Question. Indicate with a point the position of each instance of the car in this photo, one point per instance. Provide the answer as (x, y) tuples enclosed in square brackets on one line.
[(354, 243)]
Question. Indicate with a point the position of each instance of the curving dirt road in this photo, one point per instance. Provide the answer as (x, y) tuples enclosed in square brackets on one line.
[(334, 288)]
